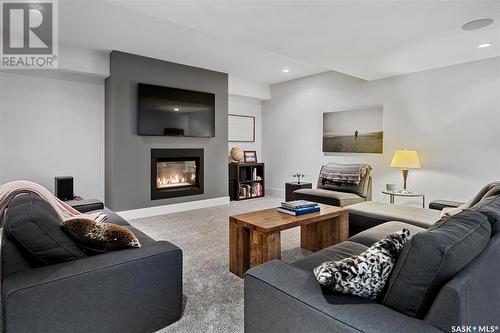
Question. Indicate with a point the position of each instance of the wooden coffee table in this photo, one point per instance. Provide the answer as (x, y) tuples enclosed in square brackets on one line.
[(254, 238)]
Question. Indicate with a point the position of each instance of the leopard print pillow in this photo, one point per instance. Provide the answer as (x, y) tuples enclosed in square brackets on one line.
[(364, 275), (100, 237)]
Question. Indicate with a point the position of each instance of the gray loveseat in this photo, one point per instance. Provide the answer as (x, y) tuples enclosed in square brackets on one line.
[(281, 297), (338, 194), (132, 290)]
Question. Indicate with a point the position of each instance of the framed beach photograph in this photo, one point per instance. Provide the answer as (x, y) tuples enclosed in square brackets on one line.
[(250, 156), (354, 131)]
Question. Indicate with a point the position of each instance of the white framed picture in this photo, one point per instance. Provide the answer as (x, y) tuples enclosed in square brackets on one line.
[(241, 128)]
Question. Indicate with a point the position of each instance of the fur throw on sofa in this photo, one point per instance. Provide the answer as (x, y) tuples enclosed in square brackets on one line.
[(100, 237)]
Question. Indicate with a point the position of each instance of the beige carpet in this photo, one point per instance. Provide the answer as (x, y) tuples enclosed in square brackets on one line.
[(213, 296)]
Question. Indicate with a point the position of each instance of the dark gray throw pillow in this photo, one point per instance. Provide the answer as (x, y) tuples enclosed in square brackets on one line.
[(34, 226), (366, 274), (432, 257), (490, 206)]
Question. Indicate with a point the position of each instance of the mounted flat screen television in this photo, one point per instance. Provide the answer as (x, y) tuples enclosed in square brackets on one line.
[(167, 111)]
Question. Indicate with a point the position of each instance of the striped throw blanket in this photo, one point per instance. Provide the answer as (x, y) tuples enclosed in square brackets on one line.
[(344, 173)]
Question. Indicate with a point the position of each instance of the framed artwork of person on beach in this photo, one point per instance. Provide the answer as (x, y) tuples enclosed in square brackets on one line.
[(354, 131)]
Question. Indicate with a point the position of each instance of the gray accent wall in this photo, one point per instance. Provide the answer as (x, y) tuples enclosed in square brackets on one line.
[(128, 155)]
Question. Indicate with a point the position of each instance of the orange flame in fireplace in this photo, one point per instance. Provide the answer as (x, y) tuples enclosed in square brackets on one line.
[(174, 180)]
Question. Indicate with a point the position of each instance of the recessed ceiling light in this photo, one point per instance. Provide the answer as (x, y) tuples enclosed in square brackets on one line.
[(483, 45), (286, 70), (477, 24), (176, 109)]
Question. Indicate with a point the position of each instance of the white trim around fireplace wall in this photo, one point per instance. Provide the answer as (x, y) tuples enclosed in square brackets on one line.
[(173, 208)]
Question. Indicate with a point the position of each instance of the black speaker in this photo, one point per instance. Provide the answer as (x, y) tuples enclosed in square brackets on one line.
[(64, 188)]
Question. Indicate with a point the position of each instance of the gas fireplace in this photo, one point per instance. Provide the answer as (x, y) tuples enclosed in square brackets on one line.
[(176, 172)]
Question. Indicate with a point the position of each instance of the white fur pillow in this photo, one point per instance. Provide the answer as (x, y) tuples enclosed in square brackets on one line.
[(366, 274)]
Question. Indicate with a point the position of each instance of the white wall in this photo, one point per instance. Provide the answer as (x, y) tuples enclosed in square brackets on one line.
[(52, 124), (82, 60), (449, 115), (248, 107), (241, 87)]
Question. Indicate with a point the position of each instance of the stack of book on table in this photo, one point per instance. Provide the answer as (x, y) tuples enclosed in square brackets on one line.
[(298, 207)]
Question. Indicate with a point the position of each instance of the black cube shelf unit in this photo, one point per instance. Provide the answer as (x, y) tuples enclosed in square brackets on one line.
[(246, 181)]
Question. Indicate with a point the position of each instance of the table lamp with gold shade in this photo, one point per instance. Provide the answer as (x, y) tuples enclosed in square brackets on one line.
[(405, 159)]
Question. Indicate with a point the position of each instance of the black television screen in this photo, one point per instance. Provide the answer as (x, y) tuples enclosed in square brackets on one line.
[(175, 112)]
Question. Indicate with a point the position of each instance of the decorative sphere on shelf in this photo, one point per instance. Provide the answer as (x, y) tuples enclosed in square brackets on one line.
[(236, 154)]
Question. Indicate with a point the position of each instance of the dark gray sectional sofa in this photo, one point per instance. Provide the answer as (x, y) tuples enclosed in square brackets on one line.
[(281, 297), (132, 290)]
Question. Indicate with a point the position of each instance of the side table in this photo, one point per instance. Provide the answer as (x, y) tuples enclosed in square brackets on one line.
[(393, 194), (85, 205), (292, 187)]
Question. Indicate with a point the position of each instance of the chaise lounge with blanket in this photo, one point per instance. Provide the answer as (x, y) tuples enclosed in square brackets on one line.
[(340, 185)]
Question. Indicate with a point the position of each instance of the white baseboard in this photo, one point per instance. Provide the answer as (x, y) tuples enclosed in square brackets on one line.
[(173, 208), (274, 192)]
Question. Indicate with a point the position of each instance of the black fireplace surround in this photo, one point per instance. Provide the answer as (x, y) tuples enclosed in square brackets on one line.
[(176, 173)]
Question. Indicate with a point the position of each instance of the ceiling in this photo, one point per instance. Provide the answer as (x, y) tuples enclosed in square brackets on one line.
[(255, 40)]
